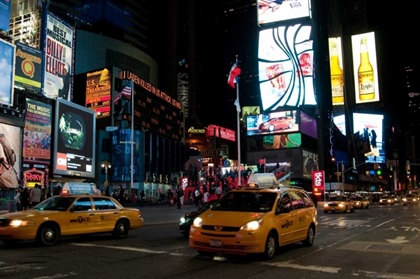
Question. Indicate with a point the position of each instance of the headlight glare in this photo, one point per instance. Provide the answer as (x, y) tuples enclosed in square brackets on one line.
[(341, 205), (253, 225), (182, 220), (197, 222), (15, 223)]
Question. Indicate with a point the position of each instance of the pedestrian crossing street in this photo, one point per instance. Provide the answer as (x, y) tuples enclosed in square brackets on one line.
[(342, 223)]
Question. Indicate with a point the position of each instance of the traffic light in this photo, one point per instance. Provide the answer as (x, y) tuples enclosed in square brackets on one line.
[(378, 172)]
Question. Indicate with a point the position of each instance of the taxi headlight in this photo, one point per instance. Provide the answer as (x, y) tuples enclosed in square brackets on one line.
[(253, 225), (326, 204), (389, 200), (21, 223), (197, 222), (357, 203), (404, 199), (414, 199), (182, 220), (341, 205)]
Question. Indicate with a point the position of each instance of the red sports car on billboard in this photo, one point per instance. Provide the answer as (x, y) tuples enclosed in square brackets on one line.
[(277, 123)]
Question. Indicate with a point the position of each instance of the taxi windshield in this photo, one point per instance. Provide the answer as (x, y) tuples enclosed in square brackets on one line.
[(337, 198), (55, 203), (246, 202)]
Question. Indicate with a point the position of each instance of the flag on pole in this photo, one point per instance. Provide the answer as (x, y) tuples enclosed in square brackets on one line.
[(125, 93), (235, 71), (237, 105)]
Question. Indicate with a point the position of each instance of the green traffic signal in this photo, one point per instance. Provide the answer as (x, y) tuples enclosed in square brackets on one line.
[(378, 172)]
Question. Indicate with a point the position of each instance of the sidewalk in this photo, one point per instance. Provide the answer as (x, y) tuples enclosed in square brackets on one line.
[(155, 215)]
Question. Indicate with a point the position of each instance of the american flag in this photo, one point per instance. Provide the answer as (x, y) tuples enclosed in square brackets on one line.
[(125, 93)]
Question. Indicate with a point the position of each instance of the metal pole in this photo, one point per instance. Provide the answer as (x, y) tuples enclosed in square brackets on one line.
[(238, 132), (106, 173), (342, 175), (132, 137)]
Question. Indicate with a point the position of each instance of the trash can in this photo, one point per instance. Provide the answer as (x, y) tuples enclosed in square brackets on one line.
[(12, 206)]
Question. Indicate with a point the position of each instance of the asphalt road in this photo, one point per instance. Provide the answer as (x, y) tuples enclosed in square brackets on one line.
[(379, 242)]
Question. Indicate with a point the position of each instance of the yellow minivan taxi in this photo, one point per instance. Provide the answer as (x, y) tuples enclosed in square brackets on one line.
[(253, 221)]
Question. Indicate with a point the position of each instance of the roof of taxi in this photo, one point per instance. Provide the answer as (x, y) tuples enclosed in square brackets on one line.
[(280, 188)]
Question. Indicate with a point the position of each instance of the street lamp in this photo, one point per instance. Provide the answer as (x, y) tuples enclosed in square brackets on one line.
[(106, 165)]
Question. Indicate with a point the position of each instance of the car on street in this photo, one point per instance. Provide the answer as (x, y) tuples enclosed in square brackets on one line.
[(386, 200), (410, 199), (68, 215), (277, 123), (187, 220), (254, 220), (360, 202), (397, 198), (338, 203)]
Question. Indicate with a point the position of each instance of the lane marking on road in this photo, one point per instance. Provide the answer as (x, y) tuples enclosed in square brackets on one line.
[(143, 250), (20, 267), (386, 222), (60, 275), (325, 269), (336, 270)]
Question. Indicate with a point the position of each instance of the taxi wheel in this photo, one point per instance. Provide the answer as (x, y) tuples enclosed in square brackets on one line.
[(47, 234), (270, 246), (310, 237), (121, 229)]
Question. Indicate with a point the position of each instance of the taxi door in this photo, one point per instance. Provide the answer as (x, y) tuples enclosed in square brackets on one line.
[(302, 216), (80, 217), (106, 214), (285, 220)]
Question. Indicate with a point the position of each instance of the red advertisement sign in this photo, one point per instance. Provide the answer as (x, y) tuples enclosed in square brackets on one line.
[(318, 182), (32, 177), (220, 132)]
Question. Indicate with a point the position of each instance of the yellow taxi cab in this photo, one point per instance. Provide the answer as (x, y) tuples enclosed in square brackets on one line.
[(255, 220), (70, 214)]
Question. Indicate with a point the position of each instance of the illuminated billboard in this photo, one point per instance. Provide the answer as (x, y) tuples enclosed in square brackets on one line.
[(365, 68), (308, 125), (285, 65), (74, 140), (58, 46), (250, 110), (28, 67), (370, 130), (309, 163), (220, 132), (7, 70), (272, 123), (282, 141), (270, 11), (340, 122), (5, 15), (98, 92), (336, 71), (10, 159), (37, 133)]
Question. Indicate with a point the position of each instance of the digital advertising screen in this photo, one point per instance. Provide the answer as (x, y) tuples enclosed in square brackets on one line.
[(365, 68), (7, 70), (10, 139), (270, 11), (370, 130), (74, 140), (250, 110), (285, 65), (308, 125), (272, 123), (58, 46), (336, 71), (98, 92), (292, 140), (37, 133), (220, 132), (156, 110), (340, 122), (28, 67), (309, 163)]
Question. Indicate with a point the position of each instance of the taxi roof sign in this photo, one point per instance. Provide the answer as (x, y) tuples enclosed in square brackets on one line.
[(79, 188), (262, 180)]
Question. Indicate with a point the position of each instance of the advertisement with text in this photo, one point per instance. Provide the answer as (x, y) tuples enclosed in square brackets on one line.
[(28, 67), (370, 129), (270, 11), (10, 159), (336, 71), (98, 92), (58, 58), (365, 68), (37, 133)]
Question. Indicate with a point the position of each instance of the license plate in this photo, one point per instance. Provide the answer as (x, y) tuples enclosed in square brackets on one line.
[(217, 243), (333, 208)]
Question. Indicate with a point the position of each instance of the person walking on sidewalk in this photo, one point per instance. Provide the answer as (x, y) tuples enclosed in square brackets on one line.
[(178, 193), (35, 195)]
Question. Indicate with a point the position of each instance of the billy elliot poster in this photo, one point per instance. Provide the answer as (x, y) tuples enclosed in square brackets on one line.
[(58, 46)]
